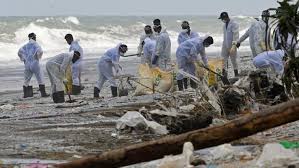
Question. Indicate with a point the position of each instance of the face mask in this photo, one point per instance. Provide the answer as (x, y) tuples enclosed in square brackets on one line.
[(206, 45), (265, 19), (121, 53), (185, 30), (148, 35)]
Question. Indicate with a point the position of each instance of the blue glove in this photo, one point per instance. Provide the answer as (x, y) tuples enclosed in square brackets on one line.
[(155, 60)]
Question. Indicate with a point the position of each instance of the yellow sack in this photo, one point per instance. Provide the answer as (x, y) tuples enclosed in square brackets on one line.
[(152, 79), (69, 78), (162, 80), (215, 65)]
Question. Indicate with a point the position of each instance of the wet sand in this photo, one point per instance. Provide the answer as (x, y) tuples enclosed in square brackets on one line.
[(37, 128)]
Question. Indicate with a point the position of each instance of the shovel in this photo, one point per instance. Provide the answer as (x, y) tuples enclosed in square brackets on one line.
[(224, 79), (131, 55), (68, 93)]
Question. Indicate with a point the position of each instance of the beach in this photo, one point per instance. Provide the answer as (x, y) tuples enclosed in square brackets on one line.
[(36, 129)]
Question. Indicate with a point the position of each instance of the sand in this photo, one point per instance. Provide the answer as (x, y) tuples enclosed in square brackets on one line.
[(36, 128)]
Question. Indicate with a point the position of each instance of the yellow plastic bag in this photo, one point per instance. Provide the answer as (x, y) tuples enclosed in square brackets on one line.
[(162, 80), (69, 78), (152, 79), (216, 66)]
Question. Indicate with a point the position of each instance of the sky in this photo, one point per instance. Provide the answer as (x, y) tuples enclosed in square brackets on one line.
[(132, 7)]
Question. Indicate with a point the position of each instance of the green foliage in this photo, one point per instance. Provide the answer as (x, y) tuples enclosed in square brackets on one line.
[(287, 17)]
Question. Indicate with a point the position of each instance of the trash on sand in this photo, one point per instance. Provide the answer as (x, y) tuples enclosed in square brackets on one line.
[(135, 120), (179, 161), (289, 145), (187, 108), (275, 155), (7, 107)]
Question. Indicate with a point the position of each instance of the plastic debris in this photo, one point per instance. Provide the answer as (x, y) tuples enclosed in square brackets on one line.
[(275, 155), (289, 145), (7, 107), (179, 161), (135, 120)]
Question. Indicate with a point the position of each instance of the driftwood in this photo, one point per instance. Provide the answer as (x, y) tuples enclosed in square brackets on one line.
[(203, 138)]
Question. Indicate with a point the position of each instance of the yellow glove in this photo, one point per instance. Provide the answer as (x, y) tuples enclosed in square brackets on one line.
[(233, 50)]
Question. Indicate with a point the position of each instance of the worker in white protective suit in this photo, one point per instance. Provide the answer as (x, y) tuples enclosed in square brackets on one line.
[(56, 68), (270, 59), (148, 51), (230, 38), (186, 33), (187, 54), (257, 35), (77, 66), (30, 54), (162, 56), (148, 33), (105, 66)]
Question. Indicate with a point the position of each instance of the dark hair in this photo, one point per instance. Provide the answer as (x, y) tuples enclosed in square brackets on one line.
[(148, 26), (157, 22), (209, 40), (123, 45), (68, 36), (77, 53), (31, 35), (185, 22), (266, 13)]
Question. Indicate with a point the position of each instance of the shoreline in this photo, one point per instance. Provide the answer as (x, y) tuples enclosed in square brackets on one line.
[(12, 76)]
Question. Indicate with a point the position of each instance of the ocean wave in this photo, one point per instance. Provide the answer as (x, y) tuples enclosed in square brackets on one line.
[(242, 17), (71, 19), (44, 20), (94, 41)]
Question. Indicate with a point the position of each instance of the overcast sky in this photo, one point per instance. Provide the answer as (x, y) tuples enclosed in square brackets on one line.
[(132, 7)]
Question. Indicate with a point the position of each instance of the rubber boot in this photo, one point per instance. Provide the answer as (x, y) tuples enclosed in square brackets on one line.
[(236, 73), (76, 90), (42, 90), (25, 92), (224, 73), (193, 84), (185, 80), (180, 85), (114, 91), (96, 92), (29, 91), (54, 97), (58, 97)]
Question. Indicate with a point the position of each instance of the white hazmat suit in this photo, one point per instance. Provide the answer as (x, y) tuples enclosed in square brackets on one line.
[(30, 54), (187, 54), (256, 34), (77, 66), (142, 38), (104, 67), (56, 68), (270, 59), (163, 50), (148, 51), (230, 36), (183, 36)]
